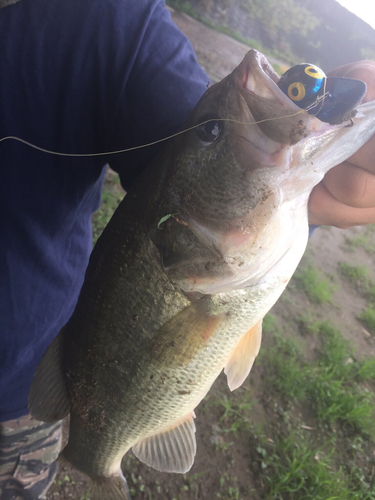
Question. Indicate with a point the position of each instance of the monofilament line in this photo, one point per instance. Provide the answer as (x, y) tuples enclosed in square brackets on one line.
[(106, 153)]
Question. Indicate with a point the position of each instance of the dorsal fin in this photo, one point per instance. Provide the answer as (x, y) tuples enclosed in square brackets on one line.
[(172, 450), (242, 358)]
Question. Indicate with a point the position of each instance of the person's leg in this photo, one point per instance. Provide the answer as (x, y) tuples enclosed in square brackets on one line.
[(28, 454)]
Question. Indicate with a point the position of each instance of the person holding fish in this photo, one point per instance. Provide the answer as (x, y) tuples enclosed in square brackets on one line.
[(90, 77), (346, 196)]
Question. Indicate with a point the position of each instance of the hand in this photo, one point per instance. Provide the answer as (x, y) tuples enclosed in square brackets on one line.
[(346, 195)]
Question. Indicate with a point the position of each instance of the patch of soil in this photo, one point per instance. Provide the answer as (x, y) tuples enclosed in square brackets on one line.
[(217, 53)]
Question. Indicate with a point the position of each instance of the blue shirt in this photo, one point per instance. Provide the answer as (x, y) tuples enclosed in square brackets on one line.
[(79, 77)]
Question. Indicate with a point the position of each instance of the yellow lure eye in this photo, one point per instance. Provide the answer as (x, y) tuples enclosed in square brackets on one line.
[(296, 91), (314, 72)]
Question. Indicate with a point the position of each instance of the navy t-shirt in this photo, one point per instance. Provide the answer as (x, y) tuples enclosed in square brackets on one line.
[(79, 77)]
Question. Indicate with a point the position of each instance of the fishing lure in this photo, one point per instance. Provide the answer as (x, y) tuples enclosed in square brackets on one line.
[(331, 99)]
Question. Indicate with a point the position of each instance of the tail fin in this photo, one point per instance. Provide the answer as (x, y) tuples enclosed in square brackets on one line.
[(110, 488)]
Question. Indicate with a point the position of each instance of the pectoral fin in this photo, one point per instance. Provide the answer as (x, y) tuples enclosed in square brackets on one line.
[(242, 358), (172, 450), (188, 332)]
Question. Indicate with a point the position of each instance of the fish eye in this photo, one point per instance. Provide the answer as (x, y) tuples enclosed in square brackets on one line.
[(209, 130), (296, 91)]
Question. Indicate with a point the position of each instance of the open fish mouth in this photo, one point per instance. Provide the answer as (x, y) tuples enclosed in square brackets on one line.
[(258, 77), (257, 82)]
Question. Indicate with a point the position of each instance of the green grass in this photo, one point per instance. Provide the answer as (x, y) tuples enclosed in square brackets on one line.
[(66, 481), (353, 273), (314, 464), (337, 397), (358, 277), (111, 197), (329, 386), (366, 370), (228, 488), (269, 323), (318, 289), (364, 240), (360, 241), (236, 414), (368, 319), (335, 350), (286, 373), (335, 401), (294, 472), (295, 467), (371, 293)]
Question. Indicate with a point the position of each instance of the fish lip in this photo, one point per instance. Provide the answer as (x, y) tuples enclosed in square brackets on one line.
[(257, 77), (265, 105), (259, 62)]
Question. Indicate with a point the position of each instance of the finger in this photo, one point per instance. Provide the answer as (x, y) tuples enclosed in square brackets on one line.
[(365, 156), (365, 71), (324, 209), (351, 185)]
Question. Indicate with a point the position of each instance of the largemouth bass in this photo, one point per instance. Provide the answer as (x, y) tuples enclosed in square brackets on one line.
[(180, 279)]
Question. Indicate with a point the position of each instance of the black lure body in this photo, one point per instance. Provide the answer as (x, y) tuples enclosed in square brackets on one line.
[(331, 99)]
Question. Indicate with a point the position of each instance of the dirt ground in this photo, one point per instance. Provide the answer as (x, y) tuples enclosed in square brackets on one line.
[(214, 465), (217, 53)]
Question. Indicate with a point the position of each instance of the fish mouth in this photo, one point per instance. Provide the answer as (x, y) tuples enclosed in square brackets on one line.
[(277, 116), (258, 78), (316, 145)]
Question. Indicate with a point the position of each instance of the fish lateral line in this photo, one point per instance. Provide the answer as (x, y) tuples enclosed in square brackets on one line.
[(141, 146)]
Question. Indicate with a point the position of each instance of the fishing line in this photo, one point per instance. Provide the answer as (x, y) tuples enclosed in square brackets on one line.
[(319, 99), (78, 155)]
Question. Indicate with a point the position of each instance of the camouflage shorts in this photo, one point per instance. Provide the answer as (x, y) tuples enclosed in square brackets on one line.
[(28, 454)]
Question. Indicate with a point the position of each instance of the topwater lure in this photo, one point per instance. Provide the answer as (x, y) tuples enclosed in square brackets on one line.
[(331, 99)]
